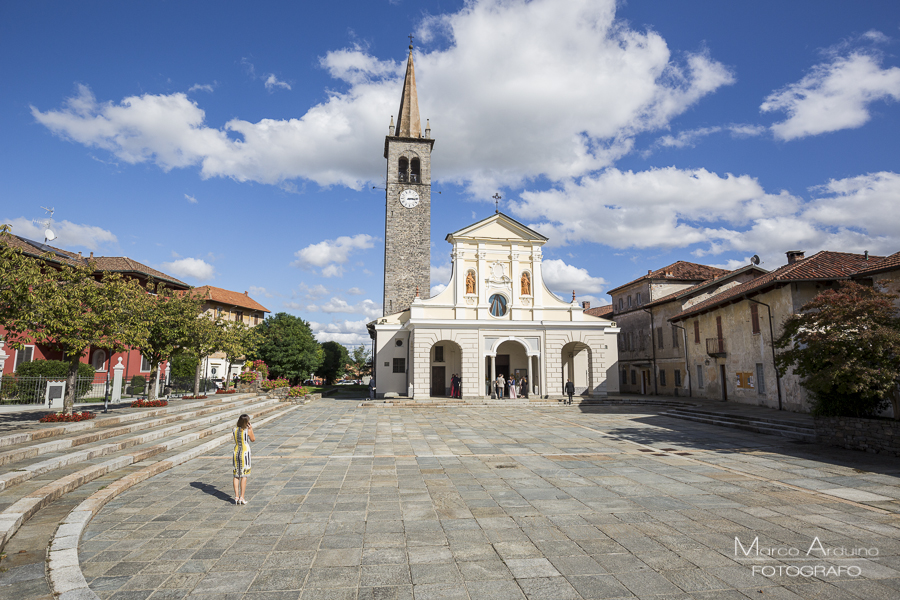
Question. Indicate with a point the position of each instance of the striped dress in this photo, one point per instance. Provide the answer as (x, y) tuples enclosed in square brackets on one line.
[(241, 456)]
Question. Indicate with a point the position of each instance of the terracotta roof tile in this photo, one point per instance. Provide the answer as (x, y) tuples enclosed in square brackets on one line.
[(888, 263), (823, 265), (228, 297), (605, 311), (679, 271), (37, 249), (123, 264)]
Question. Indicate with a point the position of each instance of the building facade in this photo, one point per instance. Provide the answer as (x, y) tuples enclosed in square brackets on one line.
[(227, 305)]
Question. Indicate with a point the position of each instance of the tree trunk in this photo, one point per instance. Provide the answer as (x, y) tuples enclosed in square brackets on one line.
[(151, 381), (197, 378), (71, 380)]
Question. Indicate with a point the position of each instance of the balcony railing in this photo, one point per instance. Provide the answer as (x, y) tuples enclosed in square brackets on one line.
[(715, 346)]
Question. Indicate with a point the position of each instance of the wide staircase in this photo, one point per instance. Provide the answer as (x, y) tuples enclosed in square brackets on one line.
[(51, 474), (533, 402), (793, 426)]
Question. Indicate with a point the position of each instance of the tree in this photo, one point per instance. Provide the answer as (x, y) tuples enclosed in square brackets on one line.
[(360, 362), (169, 317), (335, 363), (238, 340), (204, 338), (845, 344), (288, 347), (67, 310)]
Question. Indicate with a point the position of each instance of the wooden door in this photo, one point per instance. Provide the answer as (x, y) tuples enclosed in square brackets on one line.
[(724, 382), (438, 387)]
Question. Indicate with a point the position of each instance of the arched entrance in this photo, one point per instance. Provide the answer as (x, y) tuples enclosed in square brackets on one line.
[(576, 366), (513, 359), (445, 362)]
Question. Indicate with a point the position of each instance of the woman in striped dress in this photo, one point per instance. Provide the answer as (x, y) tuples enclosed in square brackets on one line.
[(243, 435)]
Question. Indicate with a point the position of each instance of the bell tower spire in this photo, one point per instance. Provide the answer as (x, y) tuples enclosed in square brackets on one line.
[(407, 218), (408, 123)]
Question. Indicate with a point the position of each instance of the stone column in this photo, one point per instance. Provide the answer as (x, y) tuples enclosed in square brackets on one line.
[(3, 357), (493, 377), (530, 381), (118, 372)]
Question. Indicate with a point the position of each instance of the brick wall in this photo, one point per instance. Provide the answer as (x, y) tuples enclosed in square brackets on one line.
[(878, 436)]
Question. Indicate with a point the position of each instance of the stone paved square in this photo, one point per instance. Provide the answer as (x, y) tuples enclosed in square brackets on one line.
[(360, 503)]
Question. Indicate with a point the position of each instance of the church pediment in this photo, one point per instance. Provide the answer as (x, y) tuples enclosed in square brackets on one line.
[(497, 227)]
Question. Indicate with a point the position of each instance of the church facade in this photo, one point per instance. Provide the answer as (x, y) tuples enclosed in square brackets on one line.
[(496, 316)]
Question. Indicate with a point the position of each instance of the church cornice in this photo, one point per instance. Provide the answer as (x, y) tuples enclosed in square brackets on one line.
[(419, 140)]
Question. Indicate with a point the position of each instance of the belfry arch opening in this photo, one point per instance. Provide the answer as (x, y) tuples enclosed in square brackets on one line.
[(414, 173), (403, 169)]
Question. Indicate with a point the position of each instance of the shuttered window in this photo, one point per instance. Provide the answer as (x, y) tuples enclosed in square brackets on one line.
[(754, 317), (696, 332)]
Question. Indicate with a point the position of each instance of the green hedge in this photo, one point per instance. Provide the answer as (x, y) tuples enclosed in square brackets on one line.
[(50, 369)]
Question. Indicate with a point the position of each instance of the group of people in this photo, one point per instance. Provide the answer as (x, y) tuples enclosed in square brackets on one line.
[(455, 386), (513, 388)]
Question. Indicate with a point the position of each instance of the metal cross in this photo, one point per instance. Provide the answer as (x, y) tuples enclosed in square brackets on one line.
[(496, 198), (410, 39)]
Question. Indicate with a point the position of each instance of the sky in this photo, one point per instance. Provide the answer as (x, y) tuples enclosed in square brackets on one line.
[(240, 144)]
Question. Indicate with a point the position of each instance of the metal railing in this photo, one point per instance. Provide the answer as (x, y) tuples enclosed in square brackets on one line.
[(49, 390), (715, 346)]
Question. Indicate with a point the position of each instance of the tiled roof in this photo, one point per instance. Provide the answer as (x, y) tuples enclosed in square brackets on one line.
[(605, 311), (679, 271), (228, 297), (118, 264), (123, 264), (688, 291), (823, 265), (885, 264)]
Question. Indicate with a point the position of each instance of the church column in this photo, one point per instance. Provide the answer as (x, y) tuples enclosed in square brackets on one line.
[(530, 380), (493, 377)]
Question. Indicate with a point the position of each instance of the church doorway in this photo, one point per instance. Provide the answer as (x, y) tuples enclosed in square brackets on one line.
[(446, 361), (576, 361)]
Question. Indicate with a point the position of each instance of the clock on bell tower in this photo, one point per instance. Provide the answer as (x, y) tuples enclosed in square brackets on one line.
[(407, 219)]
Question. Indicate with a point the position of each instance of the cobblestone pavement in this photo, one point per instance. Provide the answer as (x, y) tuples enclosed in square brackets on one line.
[(348, 502)]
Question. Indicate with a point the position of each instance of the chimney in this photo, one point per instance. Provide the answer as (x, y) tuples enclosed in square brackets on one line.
[(245, 292), (79, 254), (649, 271), (866, 254), (794, 255), (92, 254), (585, 305)]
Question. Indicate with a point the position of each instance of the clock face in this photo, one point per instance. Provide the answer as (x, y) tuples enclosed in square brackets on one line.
[(409, 198)]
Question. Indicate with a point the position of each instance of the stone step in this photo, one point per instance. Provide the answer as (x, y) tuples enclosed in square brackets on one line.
[(32, 466), (764, 427), (35, 431), (29, 500), (25, 450), (735, 415)]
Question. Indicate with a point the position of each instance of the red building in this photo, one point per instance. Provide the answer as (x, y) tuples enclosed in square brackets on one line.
[(99, 358)]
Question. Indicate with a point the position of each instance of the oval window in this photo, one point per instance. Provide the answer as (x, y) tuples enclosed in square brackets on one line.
[(498, 305)]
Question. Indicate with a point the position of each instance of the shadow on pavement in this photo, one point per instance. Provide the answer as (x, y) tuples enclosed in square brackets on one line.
[(211, 490)]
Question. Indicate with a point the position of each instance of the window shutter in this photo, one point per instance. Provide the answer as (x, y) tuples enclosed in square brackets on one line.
[(696, 332), (754, 317)]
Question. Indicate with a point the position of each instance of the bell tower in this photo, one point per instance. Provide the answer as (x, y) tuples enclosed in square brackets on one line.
[(407, 218)]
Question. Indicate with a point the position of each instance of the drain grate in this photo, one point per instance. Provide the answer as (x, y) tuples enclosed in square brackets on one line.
[(506, 466), (645, 450)]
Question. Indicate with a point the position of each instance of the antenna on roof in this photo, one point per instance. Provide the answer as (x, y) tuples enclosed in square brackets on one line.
[(754, 259), (49, 236)]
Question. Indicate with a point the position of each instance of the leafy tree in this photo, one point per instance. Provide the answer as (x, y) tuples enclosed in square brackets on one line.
[(360, 362), (204, 338), (845, 345), (68, 310), (169, 317), (288, 347), (238, 339), (335, 362), (184, 364)]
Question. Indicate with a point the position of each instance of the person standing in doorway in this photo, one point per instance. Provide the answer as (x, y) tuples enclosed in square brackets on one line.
[(243, 435), (525, 393), (570, 391), (500, 385), (512, 388)]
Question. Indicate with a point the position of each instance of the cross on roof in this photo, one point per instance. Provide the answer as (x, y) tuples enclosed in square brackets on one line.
[(410, 40), (496, 198)]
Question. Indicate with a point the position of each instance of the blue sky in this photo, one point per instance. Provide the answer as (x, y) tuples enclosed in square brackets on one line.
[(237, 144)]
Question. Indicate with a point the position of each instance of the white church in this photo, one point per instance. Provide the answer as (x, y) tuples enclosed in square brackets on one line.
[(496, 316)]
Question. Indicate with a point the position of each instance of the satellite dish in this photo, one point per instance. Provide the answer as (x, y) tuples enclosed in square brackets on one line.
[(754, 259), (49, 236)]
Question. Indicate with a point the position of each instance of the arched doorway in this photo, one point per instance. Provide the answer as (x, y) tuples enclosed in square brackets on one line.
[(445, 362), (576, 366)]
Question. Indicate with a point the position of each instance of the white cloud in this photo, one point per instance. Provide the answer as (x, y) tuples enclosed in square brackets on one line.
[(833, 96), (273, 82), (190, 267), (441, 274), (355, 291), (437, 289), (68, 234), (330, 255), (261, 291), (690, 137), (348, 333), (584, 82), (190, 199), (368, 308), (201, 87), (562, 278), (311, 292)]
